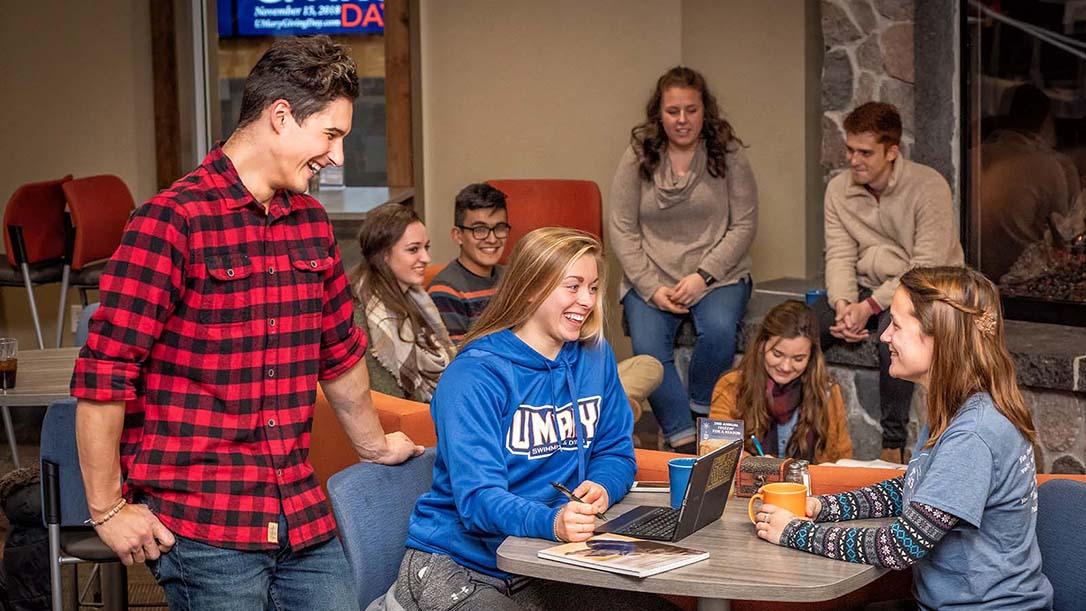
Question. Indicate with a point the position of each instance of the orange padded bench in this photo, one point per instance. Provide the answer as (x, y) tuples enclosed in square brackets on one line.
[(330, 451)]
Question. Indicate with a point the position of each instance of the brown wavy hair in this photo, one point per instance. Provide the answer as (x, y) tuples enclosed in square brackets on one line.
[(307, 71), (787, 320), (649, 140), (539, 261), (959, 308), (381, 229)]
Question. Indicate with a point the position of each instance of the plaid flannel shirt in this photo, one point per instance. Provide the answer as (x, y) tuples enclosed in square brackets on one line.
[(217, 320)]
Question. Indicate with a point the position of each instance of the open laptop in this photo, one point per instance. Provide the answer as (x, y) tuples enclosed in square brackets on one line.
[(706, 495)]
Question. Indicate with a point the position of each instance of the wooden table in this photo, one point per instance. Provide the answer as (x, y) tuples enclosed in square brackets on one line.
[(740, 566), (44, 376)]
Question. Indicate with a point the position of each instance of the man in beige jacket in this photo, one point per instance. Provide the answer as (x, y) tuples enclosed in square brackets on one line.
[(883, 217)]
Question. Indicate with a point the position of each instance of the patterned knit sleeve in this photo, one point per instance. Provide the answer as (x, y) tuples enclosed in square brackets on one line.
[(897, 545), (881, 500)]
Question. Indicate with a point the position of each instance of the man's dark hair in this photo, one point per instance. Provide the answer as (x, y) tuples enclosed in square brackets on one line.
[(1029, 108), (478, 196), (309, 72), (879, 118)]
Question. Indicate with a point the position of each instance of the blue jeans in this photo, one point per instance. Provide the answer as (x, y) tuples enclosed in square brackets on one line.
[(201, 577), (716, 322)]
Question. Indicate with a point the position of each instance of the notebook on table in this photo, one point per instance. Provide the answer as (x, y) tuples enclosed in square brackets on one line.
[(706, 495), (624, 555)]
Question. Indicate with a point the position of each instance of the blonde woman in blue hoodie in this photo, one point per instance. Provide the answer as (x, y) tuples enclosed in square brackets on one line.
[(532, 398)]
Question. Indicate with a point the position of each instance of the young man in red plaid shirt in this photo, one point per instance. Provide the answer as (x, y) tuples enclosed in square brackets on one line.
[(224, 305)]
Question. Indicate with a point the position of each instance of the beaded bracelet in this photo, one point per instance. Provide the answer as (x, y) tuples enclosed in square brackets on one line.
[(112, 512), (557, 518)]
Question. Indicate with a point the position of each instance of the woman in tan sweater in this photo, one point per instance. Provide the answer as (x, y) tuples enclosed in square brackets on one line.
[(683, 215), (782, 393)]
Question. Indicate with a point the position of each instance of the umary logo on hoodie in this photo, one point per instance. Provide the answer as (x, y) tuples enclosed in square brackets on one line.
[(538, 432)]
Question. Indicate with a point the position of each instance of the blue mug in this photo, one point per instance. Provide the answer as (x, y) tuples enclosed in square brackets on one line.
[(814, 295)]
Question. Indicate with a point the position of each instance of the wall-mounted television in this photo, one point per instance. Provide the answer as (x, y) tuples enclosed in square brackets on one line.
[(299, 17)]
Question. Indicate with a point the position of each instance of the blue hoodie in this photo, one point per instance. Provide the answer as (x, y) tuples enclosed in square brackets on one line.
[(501, 442)]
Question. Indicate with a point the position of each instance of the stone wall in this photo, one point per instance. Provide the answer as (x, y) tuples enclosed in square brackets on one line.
[(869, 57), (1058, 416)]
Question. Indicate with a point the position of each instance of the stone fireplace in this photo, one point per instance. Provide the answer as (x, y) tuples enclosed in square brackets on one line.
[(897, 51)]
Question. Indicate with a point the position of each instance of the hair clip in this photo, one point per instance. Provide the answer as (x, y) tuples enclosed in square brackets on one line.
[(986, 323)]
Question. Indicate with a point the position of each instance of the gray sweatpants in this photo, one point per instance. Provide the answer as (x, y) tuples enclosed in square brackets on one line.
[(433, 582)]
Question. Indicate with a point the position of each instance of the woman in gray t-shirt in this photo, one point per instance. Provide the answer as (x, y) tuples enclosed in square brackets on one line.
[(966, 508)]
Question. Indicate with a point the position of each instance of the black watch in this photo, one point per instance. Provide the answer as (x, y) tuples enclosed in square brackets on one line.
[(707, 277)]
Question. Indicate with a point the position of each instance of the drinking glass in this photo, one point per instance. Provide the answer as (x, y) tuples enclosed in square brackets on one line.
[(9, 362), (9, 352)]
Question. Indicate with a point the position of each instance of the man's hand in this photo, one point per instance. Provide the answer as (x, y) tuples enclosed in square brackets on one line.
[(663, 299), (856, 316), (593, 494), (689, 288), (350, 399), (841, 332), (771, 522), (843, 327), (576, 521), (814, 507), (135, 535), (399, 448)]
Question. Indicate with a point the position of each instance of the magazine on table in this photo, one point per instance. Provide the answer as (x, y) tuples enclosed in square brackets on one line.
[(713, 434), (624, 555)]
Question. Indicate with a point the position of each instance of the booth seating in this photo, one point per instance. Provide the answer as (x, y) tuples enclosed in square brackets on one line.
[(331, 451)]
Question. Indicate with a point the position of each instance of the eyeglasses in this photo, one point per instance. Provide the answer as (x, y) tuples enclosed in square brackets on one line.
[(481, 232)]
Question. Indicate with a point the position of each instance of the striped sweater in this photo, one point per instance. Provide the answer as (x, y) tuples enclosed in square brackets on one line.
[(461, 296)]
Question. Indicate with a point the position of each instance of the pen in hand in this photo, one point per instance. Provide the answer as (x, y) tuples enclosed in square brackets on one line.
[(573, 497)]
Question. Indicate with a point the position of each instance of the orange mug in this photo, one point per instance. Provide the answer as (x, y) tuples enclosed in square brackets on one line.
[(786, 495)]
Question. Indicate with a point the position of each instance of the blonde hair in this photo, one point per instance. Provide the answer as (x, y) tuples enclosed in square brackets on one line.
[(539, 262), (788, 320), (959, 309)]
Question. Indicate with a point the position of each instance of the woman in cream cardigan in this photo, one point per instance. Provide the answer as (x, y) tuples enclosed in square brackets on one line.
[(409, 347), (782, 393)]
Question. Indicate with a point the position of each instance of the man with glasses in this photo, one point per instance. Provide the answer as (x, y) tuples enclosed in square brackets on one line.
[(462, 290), (480, 226)]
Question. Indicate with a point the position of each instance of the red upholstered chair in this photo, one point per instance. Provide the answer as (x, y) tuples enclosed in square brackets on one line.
[(432, 270), (546, 202), (34, 239), (100, 207)]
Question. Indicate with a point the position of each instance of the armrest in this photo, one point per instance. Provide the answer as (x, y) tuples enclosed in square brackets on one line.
[(410, 417), (831, 480), (652, 465), (1044, 477), (330, 450)]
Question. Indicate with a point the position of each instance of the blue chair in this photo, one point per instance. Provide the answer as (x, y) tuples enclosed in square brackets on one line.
[(372, 504), (64, 509), (1061, 535)]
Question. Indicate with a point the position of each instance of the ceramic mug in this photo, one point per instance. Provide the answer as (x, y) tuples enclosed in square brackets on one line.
[(786, 495)]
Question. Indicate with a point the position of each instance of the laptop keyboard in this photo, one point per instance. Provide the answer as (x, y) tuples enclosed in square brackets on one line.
[(658, 523)]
